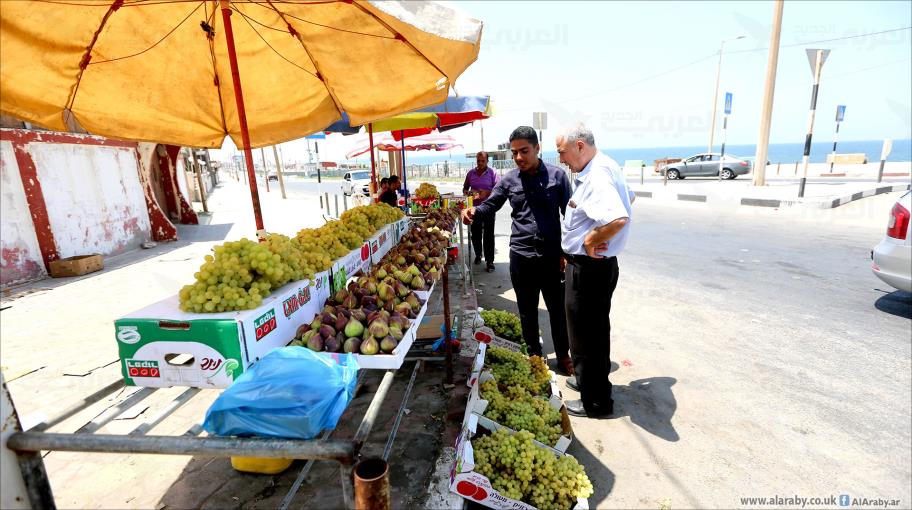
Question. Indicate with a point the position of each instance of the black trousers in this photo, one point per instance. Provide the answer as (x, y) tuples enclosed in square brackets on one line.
[(531, 276), (483, 230), (589, 286)]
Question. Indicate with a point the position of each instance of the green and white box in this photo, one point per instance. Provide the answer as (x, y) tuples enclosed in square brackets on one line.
[(162, 346), (381, 243)]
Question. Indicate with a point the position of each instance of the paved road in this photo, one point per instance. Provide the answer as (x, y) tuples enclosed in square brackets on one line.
[(757, 356)]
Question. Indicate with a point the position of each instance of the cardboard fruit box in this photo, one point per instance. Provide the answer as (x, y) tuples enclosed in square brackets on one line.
[(162, 346), (76, 266), (477, 406), (395, 359), (476, 487)]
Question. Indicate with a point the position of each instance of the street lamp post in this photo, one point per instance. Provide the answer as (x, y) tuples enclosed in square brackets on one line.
[(712, 129)]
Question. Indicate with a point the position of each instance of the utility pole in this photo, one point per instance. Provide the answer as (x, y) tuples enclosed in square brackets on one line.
[(275, 152), (727, 112), (712, 128), (265, 168), (816, 57), (769, 89), (840, 114)]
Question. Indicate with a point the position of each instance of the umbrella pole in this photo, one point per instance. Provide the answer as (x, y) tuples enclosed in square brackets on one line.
[(370, 135), (242, 114), (405, 192)]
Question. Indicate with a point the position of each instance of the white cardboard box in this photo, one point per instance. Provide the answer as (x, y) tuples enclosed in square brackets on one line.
[(475, 486)]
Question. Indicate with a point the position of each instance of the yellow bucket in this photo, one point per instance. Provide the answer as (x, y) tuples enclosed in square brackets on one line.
[(260, 465)]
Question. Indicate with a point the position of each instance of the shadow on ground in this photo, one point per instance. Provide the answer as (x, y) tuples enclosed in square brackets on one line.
[(650, 404), (897, 303)]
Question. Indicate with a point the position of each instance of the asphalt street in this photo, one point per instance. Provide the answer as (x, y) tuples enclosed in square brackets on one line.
[(755, 354)]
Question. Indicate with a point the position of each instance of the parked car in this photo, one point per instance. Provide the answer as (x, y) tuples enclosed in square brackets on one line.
[(892, 258), (707, 165), (356, 182), (273, 177)]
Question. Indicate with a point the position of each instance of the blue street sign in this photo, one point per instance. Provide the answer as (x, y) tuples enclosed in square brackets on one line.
[(316, 136), (728, 103), (840, 112)]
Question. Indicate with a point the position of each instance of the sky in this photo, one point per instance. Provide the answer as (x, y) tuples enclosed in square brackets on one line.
[(642, 74)]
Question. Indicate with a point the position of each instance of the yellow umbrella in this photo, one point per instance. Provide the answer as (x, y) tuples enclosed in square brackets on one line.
[(171, 71)]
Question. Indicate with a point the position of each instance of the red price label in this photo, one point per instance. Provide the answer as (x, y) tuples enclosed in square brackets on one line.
[(265, 328)]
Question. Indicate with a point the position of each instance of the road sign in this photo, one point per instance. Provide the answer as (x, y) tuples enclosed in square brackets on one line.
[(728, 103), (539, 120), (812, 58), (887, 148), (840, 112)]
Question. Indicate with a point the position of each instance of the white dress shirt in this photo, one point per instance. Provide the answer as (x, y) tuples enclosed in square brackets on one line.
[(600, 196)]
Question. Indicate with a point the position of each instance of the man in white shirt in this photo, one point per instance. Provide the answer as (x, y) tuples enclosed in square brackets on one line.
[(594, 232)]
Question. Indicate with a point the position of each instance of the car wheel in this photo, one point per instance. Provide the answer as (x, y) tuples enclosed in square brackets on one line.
[(673, 175), (727, 174)]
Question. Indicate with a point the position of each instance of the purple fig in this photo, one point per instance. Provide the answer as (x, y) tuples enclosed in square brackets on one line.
[(303, 328), (350, 302), (327, 331), (328, 318), (352, 345), (369, 347), (371, 287), (341, 321), (379, 328), (315, 343), (399, 320), (369, 301), (402, 290), (351, 286), (332, 345), (372, 316), (388, 344), (388, 306), (353, 328), (385, 315), (345, 312)]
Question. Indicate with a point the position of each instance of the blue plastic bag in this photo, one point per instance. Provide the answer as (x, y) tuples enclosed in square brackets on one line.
[(291, 392)]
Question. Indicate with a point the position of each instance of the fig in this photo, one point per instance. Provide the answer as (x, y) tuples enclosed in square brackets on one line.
[(385, 291), (328, 309), (381, 273), (315, 343), (413, 301), (369, 347), (303, 328), (378, 328), (388, 344), (315, 324), (340, 295), (350, 302), (404, 308), (399, 320), (370, 287), (340, 323), (354, 328), (352, 345), (402, 290), (412, 270), (385, 315), (328, 318), (418, 283), (396, 332), (331, 344), (327, 331)]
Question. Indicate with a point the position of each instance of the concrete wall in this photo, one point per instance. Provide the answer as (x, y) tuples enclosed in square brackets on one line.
[(20, 256), (94, 199)]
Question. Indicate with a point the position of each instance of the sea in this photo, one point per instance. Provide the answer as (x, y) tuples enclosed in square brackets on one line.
[(777, 153)]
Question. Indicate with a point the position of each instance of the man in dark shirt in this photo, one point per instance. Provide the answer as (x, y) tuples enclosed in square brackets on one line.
[(538, 193), (389, 196)]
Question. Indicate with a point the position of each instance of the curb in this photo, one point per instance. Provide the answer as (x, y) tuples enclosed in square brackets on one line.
[(829, 203)]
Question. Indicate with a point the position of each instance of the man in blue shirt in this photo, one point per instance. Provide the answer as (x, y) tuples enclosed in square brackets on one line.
[(538, 193), (595, 231)]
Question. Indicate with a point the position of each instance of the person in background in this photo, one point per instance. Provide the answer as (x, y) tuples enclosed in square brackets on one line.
[(389, 196), (538, 193), (480, 181), (594, 232)]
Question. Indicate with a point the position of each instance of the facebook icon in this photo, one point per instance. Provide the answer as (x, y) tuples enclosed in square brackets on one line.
[(843, 500)]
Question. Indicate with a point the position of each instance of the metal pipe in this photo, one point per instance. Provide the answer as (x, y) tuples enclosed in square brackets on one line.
[(86, 402), (373, 409), (265, 168), (113, 412), (183, 445), (372, 491), (275, 152), (242, 113), (446, 324), (408, 391), (170, 408), (336, 200)]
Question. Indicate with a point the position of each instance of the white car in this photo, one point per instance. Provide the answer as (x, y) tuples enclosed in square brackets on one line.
[(892, 258), (356, 182)]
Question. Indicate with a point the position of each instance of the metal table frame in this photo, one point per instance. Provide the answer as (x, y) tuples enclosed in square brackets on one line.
[(29, 444)]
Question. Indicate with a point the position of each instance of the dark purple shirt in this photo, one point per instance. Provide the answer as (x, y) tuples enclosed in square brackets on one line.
[(486, 181)]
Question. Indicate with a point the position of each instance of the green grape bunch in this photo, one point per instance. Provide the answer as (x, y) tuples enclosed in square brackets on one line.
[(505, 324), (521, 470), (511, 368), (519, 410)]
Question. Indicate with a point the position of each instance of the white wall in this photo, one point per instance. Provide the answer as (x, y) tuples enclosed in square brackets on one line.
[(94, 198), (20, 256)]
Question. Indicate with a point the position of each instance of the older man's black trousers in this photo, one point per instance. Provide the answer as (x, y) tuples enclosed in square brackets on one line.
[(483, 230), (531, 276), (590, 283)]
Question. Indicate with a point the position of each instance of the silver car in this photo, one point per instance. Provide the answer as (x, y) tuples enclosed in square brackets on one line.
[(892, 258), (707, 165)]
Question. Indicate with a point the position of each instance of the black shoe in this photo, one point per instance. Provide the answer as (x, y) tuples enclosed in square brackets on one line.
[(477, 260), (576, 408), (490, 267), (571, 383)]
